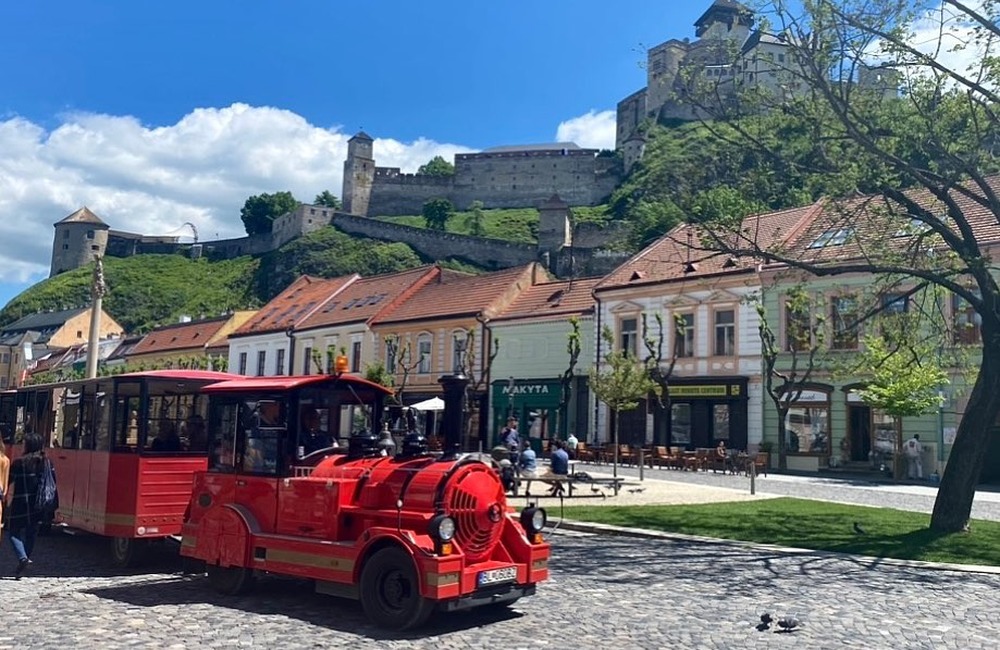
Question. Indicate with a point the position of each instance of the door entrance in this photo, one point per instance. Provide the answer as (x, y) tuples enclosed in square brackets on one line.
[(859, 419)]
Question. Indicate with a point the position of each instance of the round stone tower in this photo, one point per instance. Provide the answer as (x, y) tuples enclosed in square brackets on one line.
[(79, 238), (359, 174)]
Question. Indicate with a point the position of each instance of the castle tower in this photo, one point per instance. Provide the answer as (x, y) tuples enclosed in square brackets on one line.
[(79, 238), (725, 19), (555, 230), (359, 174)]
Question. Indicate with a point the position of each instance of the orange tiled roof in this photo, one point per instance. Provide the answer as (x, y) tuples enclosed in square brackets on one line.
[(864, 227), (368, 297), (681, 254), (552, 300), (459, 294), (180, 336), (293, 305)]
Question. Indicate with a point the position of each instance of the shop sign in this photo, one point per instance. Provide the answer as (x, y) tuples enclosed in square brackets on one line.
[(526, 389), (703, 391)]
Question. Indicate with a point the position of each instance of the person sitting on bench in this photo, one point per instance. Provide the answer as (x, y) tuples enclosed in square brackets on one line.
[(558, 465)]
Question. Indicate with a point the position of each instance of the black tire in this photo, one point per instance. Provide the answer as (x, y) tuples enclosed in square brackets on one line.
[(390, 591), (230, 581), (127, 552)]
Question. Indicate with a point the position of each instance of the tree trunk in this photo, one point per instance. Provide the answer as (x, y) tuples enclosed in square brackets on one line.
[(897, 461), (958, 484), (614, 466), (782, 435)]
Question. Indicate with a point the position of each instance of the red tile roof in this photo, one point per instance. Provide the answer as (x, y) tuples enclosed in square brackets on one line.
[(368, 297), (293, 305), (181, 336), (868, 226), (683, 255), (459, 294), (552, 300)]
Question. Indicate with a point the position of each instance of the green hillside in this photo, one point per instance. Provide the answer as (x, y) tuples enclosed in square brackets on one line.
[(151, 290)]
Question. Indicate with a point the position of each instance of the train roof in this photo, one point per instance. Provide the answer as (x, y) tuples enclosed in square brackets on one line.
[(283, 382)]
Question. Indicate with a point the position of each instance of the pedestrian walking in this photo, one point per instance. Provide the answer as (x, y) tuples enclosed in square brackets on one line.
[(31, 492), (511, 438), (571, 445), (4, 479), (914, 451)]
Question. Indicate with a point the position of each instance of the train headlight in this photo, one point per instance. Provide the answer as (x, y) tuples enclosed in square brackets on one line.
[(533, 520), (443, 528)]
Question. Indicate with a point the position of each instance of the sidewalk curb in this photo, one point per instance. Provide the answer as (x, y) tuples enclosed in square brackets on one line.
[(872, 562)]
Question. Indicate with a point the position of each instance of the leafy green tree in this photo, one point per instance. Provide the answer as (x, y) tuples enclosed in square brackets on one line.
[(260, 211), (621, 386), (905, 381), (805, 332), (475, 220), (328, 199), (573, 347), (437, 166), (938, 135), (436, 213)]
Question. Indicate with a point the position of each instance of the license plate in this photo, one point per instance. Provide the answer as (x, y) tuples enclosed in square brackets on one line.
[(495, 576)]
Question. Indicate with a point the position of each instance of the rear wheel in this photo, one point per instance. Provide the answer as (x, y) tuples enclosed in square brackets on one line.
[(127, 551), (230, 581), (390, 591)]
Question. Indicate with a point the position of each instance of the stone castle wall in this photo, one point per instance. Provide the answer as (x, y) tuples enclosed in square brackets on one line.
[(516, 179)]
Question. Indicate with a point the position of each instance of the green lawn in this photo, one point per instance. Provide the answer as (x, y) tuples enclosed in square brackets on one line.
[(810, 524)]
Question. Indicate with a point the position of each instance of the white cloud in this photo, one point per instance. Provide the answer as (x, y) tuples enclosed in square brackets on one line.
[(152, 180), (593, 129)]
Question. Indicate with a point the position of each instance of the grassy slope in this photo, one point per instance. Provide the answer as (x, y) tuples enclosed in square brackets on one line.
[(517, 225), (147, 290), (811, 524)]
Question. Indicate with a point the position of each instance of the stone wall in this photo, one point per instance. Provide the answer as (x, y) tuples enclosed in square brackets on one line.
[(491, 253), (516, 179)]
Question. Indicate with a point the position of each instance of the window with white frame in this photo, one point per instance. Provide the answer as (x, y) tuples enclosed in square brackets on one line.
[(965, 321), (628, 337), (844, 314), (684, 335), (242, 365), (391, 353), (424, 354), (307, 355), (459, 340), (279, 364), (725, 333), (356, 356), (261, 361)]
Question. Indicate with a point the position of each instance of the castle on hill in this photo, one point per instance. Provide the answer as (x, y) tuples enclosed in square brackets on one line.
[(520, 176), (728, 54)]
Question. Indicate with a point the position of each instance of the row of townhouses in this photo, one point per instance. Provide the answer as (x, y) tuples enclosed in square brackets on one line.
[(509, 332)]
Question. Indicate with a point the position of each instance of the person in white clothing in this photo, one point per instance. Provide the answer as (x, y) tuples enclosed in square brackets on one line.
[(914, 451)]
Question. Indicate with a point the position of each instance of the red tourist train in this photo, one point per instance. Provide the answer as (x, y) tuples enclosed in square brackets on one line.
[(290, 479)]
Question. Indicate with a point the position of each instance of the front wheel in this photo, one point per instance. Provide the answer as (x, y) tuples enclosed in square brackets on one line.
[(230, 581), (390, 591), (127, 551)]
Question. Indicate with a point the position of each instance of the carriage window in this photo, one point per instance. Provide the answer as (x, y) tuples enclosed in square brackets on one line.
[(70, 418), (102, 420), (264, 425), (224, 419), (86, 438), (162, 425), (126, 423)]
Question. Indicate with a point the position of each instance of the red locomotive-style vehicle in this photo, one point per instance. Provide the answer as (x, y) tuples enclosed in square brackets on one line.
[(406, 534), (124, 448)]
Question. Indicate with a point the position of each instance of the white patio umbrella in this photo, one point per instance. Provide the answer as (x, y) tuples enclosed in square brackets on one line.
[(432, 404)]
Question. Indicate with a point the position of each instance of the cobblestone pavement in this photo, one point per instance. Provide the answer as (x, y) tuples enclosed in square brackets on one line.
[(605, 592), (906, 496)]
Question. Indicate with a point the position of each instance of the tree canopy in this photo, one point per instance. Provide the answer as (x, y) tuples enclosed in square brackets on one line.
[(437, 166), (920, 145), (436, 213), (259, 211), (328, 199)]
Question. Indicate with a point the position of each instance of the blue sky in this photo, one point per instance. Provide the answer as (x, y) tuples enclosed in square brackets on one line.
[(153, 114)]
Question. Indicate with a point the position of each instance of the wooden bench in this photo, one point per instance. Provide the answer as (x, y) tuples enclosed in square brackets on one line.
[(570, 486)]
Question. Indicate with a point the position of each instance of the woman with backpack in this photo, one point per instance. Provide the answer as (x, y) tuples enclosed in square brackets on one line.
[(31, 479)]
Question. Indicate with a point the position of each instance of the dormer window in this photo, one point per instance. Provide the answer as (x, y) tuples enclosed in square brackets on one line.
[(913, 227), (832, 237)]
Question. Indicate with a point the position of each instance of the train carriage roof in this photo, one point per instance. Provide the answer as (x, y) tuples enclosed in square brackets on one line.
[(284, 383)]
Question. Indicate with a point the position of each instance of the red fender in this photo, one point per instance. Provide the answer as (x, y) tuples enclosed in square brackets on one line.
[(225, 535)]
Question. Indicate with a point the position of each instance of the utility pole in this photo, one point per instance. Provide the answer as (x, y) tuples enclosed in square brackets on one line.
[(98, 289)]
